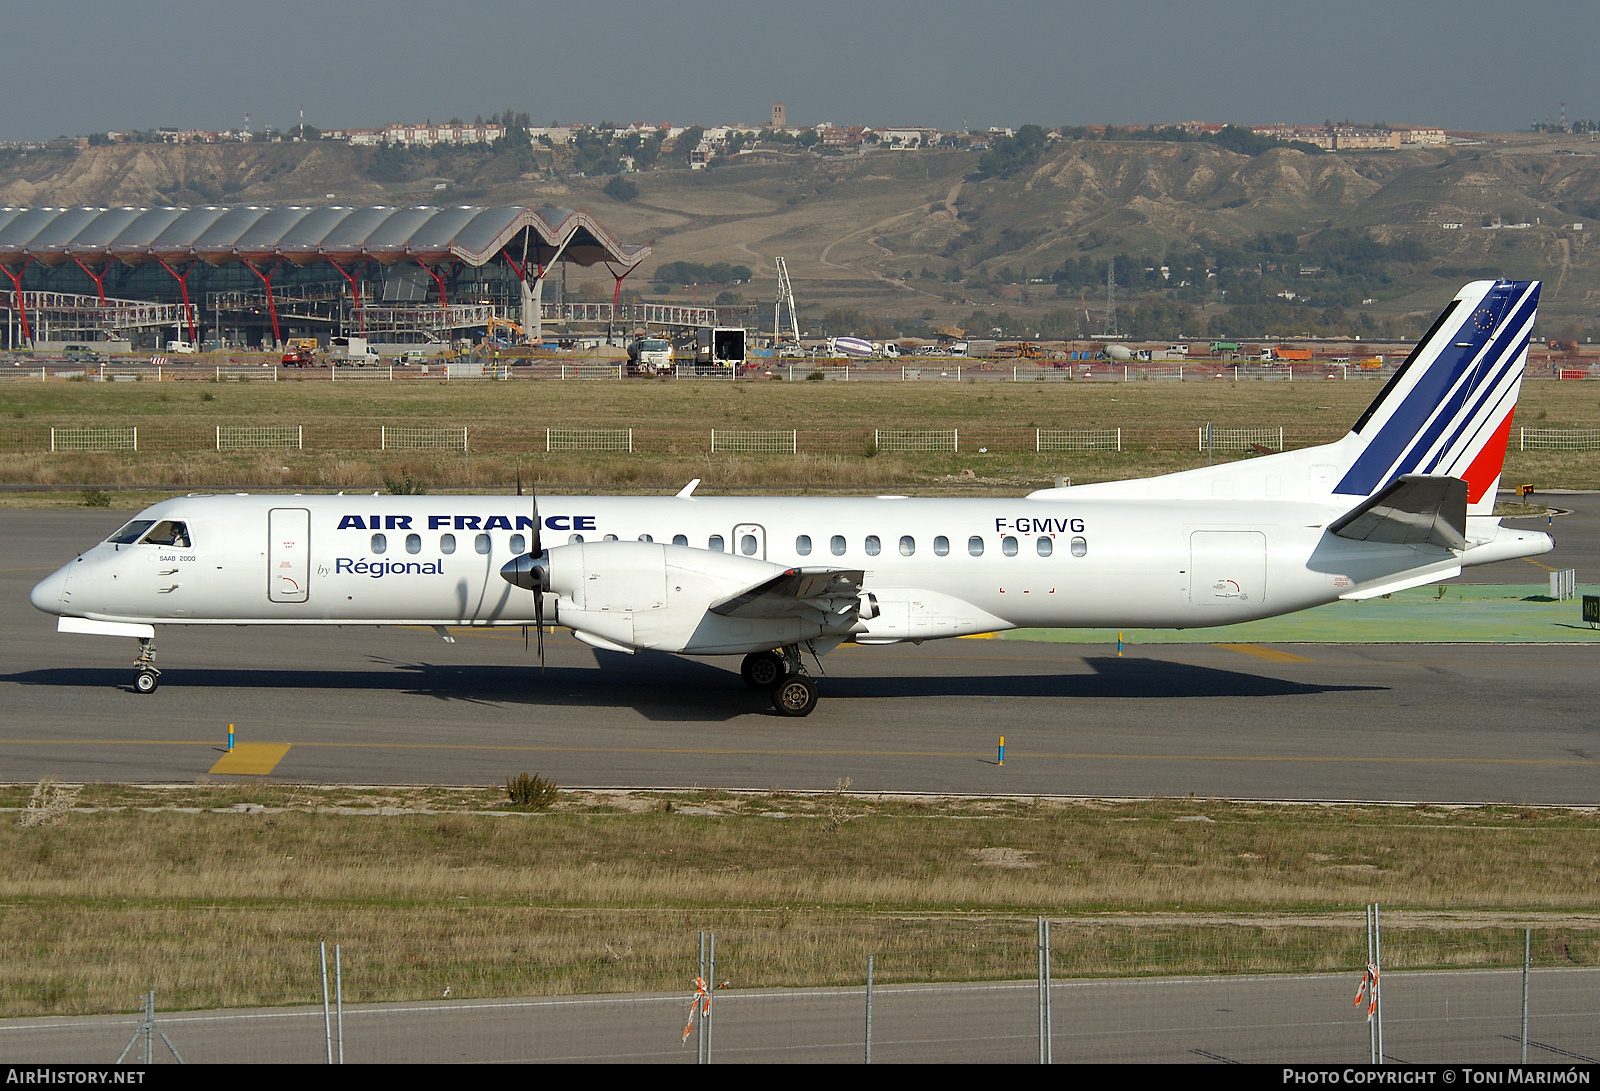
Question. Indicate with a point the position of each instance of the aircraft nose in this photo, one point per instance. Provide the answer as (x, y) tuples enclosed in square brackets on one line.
[(50, 593)]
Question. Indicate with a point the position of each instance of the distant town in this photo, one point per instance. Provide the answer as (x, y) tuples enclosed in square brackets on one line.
[(726, 141)]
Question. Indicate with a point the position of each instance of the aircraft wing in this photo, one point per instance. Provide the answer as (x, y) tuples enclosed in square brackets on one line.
[(790, 592), (1413, 509)]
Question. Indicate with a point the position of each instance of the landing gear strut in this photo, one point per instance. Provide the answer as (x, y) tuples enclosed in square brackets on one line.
[(795, 694), (146, 676)]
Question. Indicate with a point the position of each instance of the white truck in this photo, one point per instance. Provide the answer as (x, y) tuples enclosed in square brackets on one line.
[(352, 350)]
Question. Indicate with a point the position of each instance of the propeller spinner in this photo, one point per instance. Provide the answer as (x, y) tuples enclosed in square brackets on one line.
[(531, 572)]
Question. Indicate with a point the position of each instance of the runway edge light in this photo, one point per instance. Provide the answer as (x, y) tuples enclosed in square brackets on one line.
[(1002, 760), (230, 738)]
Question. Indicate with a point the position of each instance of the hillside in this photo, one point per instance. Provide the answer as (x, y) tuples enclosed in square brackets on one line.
[(919, 239)]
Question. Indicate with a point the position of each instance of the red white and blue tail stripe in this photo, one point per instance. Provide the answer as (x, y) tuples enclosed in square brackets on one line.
[(1447, 410)]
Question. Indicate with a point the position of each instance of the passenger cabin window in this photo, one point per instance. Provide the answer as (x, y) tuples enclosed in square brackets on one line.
[(130, 533), (610, 538), (975, 546), (714, 543), (1080, 547), (908, 545), (802, 545), (680, 539), (747, 545), (169, 532), (873, 546), (519, 544), (1008, 546), (941, 546), (482, 544), (646, 538), (380, 543), (836, 545), (1045, 545), (413, 543), (447, 543), (574, 539)]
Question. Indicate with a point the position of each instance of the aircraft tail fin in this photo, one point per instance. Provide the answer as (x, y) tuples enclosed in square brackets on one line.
[(1447, 410)]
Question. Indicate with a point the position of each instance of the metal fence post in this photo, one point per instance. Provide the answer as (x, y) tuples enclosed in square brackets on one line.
[(136, 437), (1377, 984), (1038, 925), (1527, 956), (219, 437), (711, 991), (1119, 440), (870, 960), (300, 437), (327, 1017), (338, 996), (700, 1036)]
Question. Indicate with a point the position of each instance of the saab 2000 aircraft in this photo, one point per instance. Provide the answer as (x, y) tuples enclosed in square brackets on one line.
[(1406, 498)]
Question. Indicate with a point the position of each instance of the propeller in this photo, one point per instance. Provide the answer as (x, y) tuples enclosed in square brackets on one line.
[(531, 571)]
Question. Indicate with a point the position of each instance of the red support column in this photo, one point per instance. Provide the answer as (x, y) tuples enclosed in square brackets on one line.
[(355, 292), (272, 308), (616, 294), (16, 288), (188, 309), (437, 279), (98, 278)]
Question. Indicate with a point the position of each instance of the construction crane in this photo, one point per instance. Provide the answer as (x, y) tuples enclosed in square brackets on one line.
[(785, 296)]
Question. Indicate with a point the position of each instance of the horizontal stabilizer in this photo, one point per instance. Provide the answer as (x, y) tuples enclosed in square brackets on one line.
[(1416, 509), (779, 596)]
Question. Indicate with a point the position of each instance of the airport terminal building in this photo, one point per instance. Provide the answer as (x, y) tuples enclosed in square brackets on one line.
[(253, 275)]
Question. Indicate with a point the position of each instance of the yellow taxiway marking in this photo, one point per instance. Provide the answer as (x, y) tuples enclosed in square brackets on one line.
[(1265, 653), (251, 758), (1321, 759)]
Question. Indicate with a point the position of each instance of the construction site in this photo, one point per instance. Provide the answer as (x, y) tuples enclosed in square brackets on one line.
[(396, 280)]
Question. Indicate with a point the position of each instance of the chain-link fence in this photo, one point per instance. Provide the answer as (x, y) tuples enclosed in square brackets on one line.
[(241, 437), (1061, 439), (781, 986), (1559, 439), (911, 441), (755, 443)]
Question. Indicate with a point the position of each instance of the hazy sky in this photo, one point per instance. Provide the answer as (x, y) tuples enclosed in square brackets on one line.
[(81, 66)]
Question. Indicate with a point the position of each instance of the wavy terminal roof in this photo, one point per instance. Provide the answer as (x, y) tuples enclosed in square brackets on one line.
[(306, 234)]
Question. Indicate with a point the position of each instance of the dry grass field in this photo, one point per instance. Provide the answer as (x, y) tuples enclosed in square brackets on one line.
[(217, 895), (672, 422)]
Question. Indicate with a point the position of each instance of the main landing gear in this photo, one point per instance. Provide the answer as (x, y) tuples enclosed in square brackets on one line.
[(794, 693), (146, 676)]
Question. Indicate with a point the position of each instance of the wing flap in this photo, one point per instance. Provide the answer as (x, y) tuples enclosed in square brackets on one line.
[(1415, 509), (791, 591)]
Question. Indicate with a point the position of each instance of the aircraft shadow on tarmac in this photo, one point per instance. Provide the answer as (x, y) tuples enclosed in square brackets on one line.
[(669, 688)]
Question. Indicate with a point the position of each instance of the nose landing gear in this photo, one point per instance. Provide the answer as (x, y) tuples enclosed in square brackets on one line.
[(146, 675)]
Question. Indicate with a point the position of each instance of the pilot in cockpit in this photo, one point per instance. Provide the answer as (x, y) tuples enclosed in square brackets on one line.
[(169, 533)]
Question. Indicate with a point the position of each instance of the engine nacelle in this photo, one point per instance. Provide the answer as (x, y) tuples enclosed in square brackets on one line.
[(648, 595)]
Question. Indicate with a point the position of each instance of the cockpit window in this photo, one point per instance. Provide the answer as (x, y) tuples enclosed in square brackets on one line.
[(130, 533), (169, 532)]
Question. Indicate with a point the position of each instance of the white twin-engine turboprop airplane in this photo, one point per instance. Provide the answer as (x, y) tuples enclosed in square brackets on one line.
[(1406, 498)]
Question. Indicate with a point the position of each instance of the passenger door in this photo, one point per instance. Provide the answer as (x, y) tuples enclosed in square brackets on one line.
[(288, 555)]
